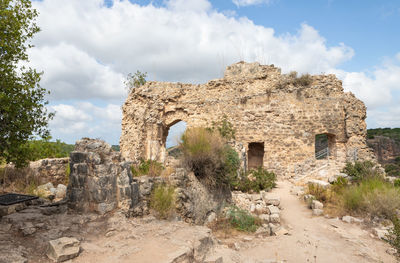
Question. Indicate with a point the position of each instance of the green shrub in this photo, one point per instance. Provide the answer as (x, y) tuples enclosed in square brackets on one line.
[(205, 152), (396, 183), (373, 196), (340, 184), (253, 181), (361, 170), (225, 128), (394, 234), (67, 173), (163, 200), (242, 220), (320, 193), (392, 170), (147, 167)]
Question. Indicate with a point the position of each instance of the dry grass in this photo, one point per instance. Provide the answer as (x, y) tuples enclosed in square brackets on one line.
[(204, 153), (19, 180), (163, 201), (147, 167)]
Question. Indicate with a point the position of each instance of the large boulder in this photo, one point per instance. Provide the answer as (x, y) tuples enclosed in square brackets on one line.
[(62, 249)]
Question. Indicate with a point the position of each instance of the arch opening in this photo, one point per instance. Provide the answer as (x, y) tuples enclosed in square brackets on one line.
[(173, 133)]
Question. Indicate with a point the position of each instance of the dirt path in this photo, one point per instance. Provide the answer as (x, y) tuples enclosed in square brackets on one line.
[(316, 239), (311, 239)]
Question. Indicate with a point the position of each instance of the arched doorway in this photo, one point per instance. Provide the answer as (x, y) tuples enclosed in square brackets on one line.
[(173, 134)]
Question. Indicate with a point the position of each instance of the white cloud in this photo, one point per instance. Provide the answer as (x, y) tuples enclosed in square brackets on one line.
[(239, 3), (189, 5), (185, 41), (71, 73), (377, 88), (83, 119), (86, 48), (385, 118)]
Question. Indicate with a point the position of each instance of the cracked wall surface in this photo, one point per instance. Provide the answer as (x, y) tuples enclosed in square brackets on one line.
[(263, 105)]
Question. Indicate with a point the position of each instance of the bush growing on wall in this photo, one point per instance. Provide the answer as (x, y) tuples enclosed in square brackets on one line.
[(204, 152), (254, 180), (147, 167), (163, 200)]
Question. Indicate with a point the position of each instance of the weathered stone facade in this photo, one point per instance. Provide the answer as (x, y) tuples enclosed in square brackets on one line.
[(100, 180), (50, 169), (264, 106)]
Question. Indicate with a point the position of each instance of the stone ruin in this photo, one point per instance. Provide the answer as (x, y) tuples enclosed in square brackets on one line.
[(101, 181), (276, 117)]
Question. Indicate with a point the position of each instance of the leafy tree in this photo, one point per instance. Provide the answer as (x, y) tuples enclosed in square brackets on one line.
[(23, 114), (135, 80)]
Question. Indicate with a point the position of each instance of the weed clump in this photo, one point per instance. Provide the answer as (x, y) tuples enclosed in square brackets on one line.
[(241, 220), (162, 200), (359, 171), (292, 78), (206, 153), (394, 235), (254, 180), (147, 167)]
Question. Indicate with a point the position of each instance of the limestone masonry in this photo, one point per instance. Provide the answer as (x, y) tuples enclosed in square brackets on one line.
[(276, 117)]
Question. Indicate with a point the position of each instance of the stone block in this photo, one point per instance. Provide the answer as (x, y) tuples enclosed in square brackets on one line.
[(317, 212), (274, 218), (315, 204), (62, 249), (271, 209), (319, 183)]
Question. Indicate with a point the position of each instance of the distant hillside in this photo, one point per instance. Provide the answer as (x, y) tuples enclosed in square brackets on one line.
[(387, 132), (115, 147), (386, 145)]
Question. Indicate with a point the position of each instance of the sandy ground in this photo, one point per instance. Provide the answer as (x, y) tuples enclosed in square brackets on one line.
[(115, 238), (316, 239), (311, 239)]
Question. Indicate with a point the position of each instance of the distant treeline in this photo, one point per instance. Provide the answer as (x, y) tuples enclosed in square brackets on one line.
[(41, 149), (387, 132)]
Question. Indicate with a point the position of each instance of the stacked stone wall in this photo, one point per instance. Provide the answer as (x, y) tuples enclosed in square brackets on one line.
[(262, 104)]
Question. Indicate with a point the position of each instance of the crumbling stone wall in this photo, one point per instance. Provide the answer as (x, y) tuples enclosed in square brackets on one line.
[(100, 180), (50, 169), (263, 106)]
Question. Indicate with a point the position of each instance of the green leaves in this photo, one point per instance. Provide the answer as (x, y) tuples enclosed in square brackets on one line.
[(135, 80), (22, 104)]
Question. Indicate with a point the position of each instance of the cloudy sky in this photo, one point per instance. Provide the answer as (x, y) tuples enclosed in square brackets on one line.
[(87, 47)]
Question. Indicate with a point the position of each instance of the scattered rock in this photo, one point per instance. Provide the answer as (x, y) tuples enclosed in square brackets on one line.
[(263, 230), (282, 231), (62, 249), (317, 212), (380, 232), (215, 259), (61, 191), (271, 200), (391, 251), (264, 217), (350, 219), (274, 218), (319, 183), (271, 209), (28, 229), (315, 204), (308, 198), (274, 228)]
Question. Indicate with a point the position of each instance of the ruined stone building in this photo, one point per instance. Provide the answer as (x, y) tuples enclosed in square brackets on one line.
[(277, 117)]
